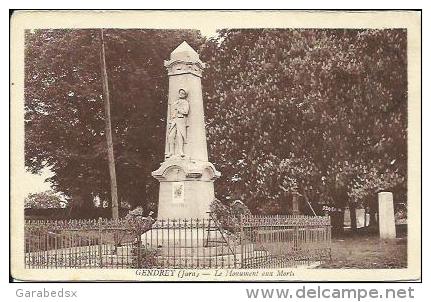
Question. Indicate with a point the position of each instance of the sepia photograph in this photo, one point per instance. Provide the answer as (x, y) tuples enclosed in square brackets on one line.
[(216, 145)]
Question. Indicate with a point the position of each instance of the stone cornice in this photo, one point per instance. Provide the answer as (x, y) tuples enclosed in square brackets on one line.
[(176, 67), (190, 170)]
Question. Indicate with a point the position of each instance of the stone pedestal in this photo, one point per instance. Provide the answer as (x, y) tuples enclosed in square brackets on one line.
[(186, 176), (386, 216), (186, 188)]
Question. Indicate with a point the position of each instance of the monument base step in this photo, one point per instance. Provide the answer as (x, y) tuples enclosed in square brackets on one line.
[(169, 238), (232, 260), (202, 251)]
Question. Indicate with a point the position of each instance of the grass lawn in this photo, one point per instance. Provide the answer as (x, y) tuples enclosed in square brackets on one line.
[(367, 251)]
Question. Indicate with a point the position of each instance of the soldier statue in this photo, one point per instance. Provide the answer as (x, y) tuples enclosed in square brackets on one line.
[(177, 131)]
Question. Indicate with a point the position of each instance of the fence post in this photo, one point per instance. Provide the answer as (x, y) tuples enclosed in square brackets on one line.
[(241, 239), (329, 226), (138, 249), (99, 245), (47, 248)]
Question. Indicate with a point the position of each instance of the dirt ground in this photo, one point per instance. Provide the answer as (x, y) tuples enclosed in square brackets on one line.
[(367, 251)]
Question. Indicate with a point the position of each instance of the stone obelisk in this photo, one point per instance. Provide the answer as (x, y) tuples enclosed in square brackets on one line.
[(186, 176)]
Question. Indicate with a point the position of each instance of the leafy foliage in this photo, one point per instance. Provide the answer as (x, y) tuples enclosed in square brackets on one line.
[(64, 109), (44, 200), (228, 217), (320, 112)]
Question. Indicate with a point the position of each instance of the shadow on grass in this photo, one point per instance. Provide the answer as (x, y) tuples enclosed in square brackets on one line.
[(364, 249)]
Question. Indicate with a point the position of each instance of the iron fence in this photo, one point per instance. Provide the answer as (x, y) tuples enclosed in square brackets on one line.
[(192, 243), (80, 244), (243, 242), (285, 240)]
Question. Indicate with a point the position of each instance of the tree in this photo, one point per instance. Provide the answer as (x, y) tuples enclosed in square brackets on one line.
[(65, 120), (44, 200), (319, 112)]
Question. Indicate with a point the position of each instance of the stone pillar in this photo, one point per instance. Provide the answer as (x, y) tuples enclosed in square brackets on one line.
[(186, 177), (295, 204), (386, 216)]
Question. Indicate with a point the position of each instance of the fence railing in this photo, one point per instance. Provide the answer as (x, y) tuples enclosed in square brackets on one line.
[(80, 244), (243, 242), (191, 243), (285, 240)]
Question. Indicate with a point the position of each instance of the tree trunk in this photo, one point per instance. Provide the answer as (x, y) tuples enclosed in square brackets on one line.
[(108, 131), (373, 220), (340, 202), (82, 206), (372, 202), (352, 209), (337, 222)]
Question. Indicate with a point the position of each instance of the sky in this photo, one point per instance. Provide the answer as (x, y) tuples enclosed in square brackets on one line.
[(208, 31), (38, 183)]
